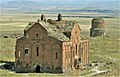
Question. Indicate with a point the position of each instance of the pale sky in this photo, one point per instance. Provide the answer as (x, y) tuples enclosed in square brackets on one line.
[(56, 0), (4, 1)]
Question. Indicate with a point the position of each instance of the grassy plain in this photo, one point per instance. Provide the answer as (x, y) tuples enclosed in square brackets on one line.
[(105, 49)]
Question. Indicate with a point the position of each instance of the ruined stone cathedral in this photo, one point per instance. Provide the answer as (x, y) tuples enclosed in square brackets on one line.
[(51, 46)]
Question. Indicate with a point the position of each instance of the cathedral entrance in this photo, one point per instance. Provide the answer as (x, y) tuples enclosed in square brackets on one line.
[(77, 63), (37, 69)]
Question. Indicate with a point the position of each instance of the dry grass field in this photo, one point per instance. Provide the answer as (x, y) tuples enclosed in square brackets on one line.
[(104, 49)]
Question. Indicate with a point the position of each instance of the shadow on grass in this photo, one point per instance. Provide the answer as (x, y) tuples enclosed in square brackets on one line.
[(7, 65)]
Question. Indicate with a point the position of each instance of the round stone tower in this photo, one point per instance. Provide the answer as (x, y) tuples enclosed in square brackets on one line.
[(59, 17), (98, 27)]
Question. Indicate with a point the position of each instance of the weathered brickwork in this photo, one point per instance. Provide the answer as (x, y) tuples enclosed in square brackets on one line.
[(44, 48)]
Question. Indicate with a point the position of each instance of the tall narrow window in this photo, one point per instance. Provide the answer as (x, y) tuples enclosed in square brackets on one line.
[(76, 49), (65, 48), (37, 51), (19, 54), (56, 55)]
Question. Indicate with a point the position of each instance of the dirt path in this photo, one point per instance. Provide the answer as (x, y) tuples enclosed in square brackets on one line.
[(96, 71)]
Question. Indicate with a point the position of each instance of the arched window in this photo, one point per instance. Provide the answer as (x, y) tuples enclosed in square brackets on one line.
[(26, 51)]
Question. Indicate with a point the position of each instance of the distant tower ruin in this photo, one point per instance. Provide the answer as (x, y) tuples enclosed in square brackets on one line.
[(43, 17), (59, 17), (98, 27)]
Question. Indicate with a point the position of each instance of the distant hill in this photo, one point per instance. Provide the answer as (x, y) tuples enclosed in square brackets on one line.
[(78, 6)]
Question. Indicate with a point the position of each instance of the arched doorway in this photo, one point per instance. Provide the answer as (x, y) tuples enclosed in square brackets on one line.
[(75, 63), (37, 69)]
